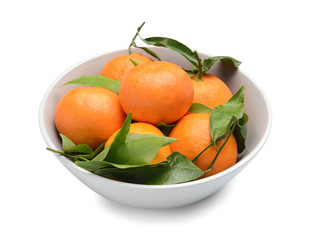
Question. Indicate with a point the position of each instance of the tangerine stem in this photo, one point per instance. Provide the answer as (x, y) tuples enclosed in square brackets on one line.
[(134, 38), (200, 71)]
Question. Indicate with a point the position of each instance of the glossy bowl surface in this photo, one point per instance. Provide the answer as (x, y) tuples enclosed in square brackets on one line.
[(167, 196)]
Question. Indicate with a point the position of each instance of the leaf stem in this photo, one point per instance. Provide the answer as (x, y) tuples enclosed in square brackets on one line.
[(134, 38), (68, 155), (56, 151), (195, 159), (231, 131)]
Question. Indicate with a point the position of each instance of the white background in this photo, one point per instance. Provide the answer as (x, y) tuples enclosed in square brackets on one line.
[(40, 199)]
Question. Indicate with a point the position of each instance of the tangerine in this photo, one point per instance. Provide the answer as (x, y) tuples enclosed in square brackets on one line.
[(210, 91), (156, 92), (119, 66), (89, 115), (193, 134)]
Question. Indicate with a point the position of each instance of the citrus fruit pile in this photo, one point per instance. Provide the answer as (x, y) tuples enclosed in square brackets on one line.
[(149, 121)]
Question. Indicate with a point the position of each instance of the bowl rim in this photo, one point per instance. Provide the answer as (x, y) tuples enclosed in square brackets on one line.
[(238, 165)]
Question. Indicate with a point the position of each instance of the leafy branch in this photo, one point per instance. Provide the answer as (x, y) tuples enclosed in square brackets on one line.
[(199, 67), (224, 117), (133, 44)]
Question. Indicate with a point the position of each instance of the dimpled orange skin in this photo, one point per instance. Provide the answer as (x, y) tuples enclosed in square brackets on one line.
[(145, 128), (89, 115), (211, 91), (119, 66), (193, 134), (156, 92)]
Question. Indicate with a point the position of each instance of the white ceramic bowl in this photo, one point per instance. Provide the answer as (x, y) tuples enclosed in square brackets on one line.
[(166, 196)]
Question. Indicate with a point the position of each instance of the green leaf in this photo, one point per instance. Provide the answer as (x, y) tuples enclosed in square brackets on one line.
[(223, 116), (240, 133), (149, 51), (190, 73), (96, 165), (70, 147), (97, 81), (121, 136), (138, 149), (199, 108), (173, 45), (165, 128), (135, 136), (177, 169), (59, 152), (194, 68), (138, 152), (92, 165), (119, 139), (208, 63)]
